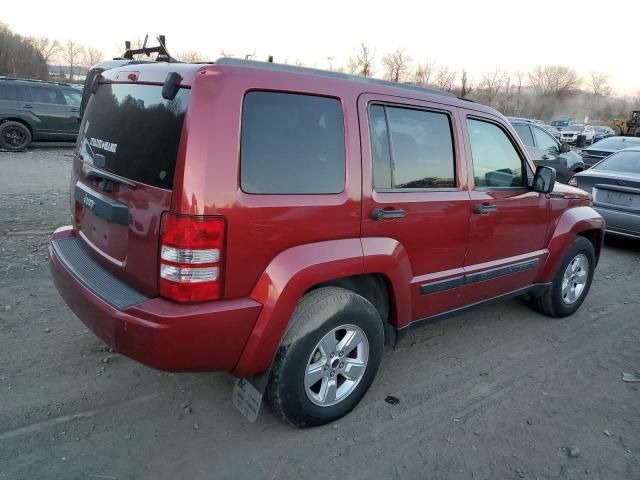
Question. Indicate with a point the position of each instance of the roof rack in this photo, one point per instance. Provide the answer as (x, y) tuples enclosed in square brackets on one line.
[(236, 62), (161, 50), (35, 81)]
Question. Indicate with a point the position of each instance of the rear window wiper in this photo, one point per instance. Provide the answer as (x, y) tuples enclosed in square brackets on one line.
[(102, 175), (100, 161)]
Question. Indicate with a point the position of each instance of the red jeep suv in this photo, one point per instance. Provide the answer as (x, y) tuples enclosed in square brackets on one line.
[(284, 224)]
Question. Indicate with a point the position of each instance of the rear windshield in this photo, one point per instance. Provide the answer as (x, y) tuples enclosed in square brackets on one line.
[(626, 162), (130, 130), (616, 143)]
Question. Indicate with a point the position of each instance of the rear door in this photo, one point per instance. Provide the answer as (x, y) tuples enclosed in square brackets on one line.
[(508, 221), (123, 176), (414, 191), (49, 106)]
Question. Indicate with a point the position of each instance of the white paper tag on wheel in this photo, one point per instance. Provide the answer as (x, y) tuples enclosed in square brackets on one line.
[(247, 399)]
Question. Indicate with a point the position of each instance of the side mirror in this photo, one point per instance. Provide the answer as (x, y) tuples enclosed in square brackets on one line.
[(544, 180), (564, 148)]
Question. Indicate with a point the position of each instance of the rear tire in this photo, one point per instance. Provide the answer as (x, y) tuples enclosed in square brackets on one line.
[(328, 358), (572, 282), (14, 136)]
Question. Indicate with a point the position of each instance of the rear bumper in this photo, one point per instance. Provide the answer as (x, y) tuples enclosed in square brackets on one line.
[(208, 336)]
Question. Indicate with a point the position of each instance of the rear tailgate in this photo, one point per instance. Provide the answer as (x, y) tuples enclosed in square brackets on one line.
[(122, 177)]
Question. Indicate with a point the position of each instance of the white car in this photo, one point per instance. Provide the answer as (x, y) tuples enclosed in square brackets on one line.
[(570, 134)]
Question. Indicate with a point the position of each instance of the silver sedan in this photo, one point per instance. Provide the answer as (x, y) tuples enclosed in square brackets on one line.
[(615, 185)]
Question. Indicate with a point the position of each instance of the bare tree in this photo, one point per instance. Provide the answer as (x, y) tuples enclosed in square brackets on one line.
[(445, 78), (71, 54), (423, 73), (396, 65), (190, 56), (554, 80), (519, 75), (225, 53), (599, 84), (362, 62), (491, 83), (465, 84), (92, 55), (47, 47)]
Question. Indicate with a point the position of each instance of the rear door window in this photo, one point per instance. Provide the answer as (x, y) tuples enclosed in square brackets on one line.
[(132, 131), (292, 144), (47, 95), (23, 93)]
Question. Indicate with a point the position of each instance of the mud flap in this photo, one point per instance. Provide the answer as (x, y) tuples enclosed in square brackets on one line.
[(247, 394)]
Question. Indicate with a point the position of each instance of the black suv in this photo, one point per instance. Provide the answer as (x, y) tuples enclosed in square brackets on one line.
[(32, 110), (546, 150)]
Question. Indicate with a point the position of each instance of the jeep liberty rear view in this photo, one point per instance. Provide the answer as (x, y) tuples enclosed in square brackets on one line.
[(284, 224)]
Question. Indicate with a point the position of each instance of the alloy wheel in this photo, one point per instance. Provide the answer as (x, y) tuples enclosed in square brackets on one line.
[(14, 137), (336, 365), (575, 279)]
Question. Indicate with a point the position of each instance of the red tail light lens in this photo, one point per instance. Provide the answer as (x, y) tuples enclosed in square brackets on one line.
[(191, 254)]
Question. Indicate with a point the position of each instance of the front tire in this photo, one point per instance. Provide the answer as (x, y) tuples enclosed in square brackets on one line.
[(328, 358), (14, 136), (572, 282)]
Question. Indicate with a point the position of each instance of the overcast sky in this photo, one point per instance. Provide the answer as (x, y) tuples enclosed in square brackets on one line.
[(477, 35)]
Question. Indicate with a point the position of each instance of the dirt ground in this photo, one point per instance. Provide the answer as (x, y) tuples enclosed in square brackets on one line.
[(500, 392)]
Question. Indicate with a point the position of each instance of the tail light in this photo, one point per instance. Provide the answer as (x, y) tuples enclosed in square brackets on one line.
[(191, 257)]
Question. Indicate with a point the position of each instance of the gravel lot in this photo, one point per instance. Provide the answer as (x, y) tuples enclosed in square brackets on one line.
[(500, 392)]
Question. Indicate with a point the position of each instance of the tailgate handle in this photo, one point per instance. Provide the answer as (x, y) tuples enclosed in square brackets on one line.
[(101, 205)]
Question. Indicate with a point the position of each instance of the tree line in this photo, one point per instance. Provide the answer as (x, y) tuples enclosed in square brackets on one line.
[(30, 57), (543, 92)]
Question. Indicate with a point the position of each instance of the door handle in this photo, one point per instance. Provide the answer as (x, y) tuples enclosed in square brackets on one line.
[(382, 214), (484, 208)]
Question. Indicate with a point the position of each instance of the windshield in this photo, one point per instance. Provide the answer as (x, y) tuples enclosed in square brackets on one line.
[(616, 143), (132, 131), (626, 162)]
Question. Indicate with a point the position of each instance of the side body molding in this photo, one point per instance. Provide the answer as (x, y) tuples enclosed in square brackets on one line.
[(294, 271), (571, 223)]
